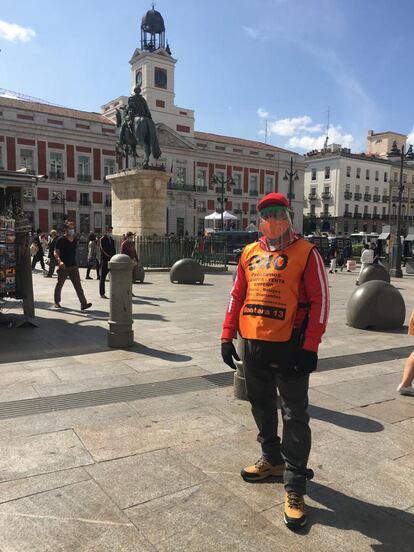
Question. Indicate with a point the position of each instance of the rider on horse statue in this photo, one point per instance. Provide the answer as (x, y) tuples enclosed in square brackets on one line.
[(138, 128)]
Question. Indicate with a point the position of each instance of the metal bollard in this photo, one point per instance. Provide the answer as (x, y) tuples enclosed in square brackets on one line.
[(120, 333)]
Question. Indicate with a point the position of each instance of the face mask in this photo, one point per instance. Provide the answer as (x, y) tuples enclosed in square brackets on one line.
[(276, 227), (71, 232)]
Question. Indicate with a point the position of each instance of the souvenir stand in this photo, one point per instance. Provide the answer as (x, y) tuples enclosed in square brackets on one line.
[(15, 268)]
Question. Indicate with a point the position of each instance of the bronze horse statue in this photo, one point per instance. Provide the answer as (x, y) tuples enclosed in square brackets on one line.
[(137, 129)]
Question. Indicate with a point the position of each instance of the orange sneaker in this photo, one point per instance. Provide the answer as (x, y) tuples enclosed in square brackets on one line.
[(262, 469), (294, 510)]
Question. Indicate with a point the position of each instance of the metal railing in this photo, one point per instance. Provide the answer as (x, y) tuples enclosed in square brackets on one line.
[(29, 199), (385, 198), (376, 198), (237, 191), (202, 189), (163, 252), (357, 196), (85, 202), (326, 195), (57, 175), (312, 197), (347, 195), (201, 209), (367, 197), (84, 178)]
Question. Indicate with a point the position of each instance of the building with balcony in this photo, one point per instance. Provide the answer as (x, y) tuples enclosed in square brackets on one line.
[(76, 150), (347, 192)]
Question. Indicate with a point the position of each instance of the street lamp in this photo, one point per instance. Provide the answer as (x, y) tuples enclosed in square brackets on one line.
[(291, 175), (223, 182), (395, 268)]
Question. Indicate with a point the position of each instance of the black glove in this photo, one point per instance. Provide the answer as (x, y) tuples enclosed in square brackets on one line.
[(307, 361), (228, 352)]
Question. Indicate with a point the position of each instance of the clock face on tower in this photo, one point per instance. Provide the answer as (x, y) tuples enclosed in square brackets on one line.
[(160, 77), (138, 78)]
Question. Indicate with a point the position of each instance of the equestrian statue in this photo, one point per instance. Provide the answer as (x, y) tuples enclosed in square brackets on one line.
[(137, 129)]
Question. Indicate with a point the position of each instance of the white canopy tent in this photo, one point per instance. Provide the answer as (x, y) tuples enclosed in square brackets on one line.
[(217, 216)]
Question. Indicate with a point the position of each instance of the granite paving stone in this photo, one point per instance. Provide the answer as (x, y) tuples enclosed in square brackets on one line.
[(394, 410), (31, 455), (137, 434), (79, 517), (141, 478)]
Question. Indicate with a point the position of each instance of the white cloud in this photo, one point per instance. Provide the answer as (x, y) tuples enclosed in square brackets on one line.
[(251, 33), (336, 136), (15, 33), (263, 114), (410, 137), (291, 126)]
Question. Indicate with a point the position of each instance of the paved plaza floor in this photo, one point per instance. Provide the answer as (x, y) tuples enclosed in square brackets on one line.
[(141, 449)]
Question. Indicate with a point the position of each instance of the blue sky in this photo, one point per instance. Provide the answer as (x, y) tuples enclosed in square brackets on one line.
[(240, 62)]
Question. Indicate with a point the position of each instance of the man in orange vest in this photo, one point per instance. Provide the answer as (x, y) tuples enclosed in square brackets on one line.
[(279, 304)]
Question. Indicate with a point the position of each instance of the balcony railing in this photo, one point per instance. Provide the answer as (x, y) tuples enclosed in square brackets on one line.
[(326, 195), (376, 198), (367, 197), (385, 198), (347, 195), (357, 215), (347, 214), (201, 209), (85, 202), (29, 199), (376, 216), (237, 211), (201, 189), (367, 215), (357, 196), (181, 187), (237, 191), (56, 175), (219, 189), (312, 197), (84, 178), (254, 193), (59, 200)]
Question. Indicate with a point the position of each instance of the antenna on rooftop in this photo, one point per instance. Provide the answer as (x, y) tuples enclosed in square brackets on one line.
[(327, 129)]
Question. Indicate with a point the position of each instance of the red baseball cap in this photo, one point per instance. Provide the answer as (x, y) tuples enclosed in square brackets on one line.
[(269, 200)]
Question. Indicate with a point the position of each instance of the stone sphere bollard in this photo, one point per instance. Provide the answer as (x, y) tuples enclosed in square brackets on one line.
[(187, 271), (120, 333), (374, 272), (377, 305)]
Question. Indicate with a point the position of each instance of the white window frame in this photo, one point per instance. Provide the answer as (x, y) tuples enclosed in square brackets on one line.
[(108, 163), (269, 188), (21, 165), (88, 164)]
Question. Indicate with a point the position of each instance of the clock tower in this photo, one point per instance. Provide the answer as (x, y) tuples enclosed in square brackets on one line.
[(152, 68)]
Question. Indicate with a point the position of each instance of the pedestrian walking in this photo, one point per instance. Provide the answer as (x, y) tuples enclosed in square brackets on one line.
[(65, 256), (51, 253), (333, 251), (92, 261), (128, 248), (346, 255), (279, 304), (367, 258), (406, 387), (37, 250), (375, 251), (107, 248)]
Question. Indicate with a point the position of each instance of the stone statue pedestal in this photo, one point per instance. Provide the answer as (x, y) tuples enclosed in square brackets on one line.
[(139, 201)]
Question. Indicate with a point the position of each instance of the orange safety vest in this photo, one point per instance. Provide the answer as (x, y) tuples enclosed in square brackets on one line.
[(273, 283)]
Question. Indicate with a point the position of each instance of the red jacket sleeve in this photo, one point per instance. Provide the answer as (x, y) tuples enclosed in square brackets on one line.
[(314, 291), (237, 295)]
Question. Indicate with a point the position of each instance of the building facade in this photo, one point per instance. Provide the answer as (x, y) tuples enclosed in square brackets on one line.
[(347, 192), (70, 151), (76, 150)]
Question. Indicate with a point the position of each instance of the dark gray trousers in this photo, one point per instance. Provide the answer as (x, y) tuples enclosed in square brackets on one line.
[(264, 380)]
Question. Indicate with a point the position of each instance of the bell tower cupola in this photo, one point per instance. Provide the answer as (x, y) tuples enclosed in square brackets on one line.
[(152, 31)]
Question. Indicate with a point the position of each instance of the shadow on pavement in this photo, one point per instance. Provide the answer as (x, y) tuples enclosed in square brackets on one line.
[(342, 419), (393, 528), (58, 338)]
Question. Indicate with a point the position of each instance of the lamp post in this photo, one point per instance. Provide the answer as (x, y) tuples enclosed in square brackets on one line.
[(223, 182), (291, 175), (403, 155)]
